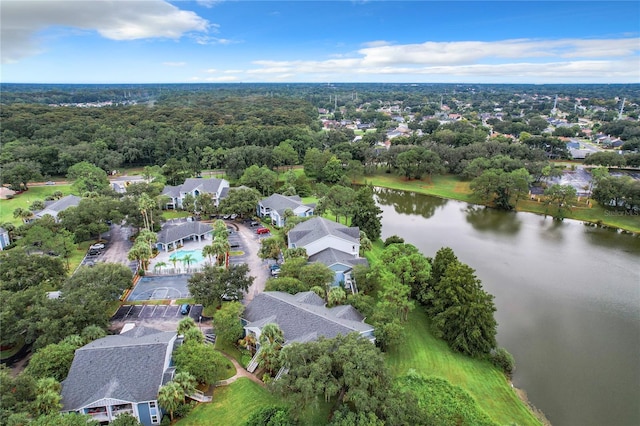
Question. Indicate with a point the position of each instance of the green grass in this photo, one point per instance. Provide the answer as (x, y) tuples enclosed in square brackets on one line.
[(174, 214), (26, 198), (230, 350), (227, 371), (430, 356), (231, 405)]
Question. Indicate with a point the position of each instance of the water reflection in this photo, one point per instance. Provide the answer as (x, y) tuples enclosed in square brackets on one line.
[(567, 298), (409, 202), (484, 219)]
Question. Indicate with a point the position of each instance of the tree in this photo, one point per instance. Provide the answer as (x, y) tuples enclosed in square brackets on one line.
[(609, 159), (189, 203), (242, 201), (67, 419), (260, 178), (185, 324), (141, 253), (409, 266), (500, 187), (339, 200), (271, 416), (176, 171), (199, 359), (286, 284), (332, 172), (205, 204), (348, 368), (462, 312), (564, 197), (209, 251), (19, 173), (271, 341), (318, 274), (209, 286), (52, 361), (125, 419), (187, 383), (367, 214), (170, 396), (284, 154), (270, 248), (48, 402), (337, 296), (87, 177), (227, 322)]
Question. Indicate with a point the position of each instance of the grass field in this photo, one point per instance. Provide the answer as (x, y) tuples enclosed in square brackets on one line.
[(432, 357), (231, 405), (26, 198)]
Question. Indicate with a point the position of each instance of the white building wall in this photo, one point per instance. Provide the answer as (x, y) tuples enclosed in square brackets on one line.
[(331, 241)]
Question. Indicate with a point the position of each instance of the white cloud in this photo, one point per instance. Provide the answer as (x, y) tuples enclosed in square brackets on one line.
[(205, 40), (597, 60), (174, 64), (116, 20)]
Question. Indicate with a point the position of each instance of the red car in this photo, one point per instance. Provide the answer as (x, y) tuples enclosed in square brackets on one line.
[(262, 231)]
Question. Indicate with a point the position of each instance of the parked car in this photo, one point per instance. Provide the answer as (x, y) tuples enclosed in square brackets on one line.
[(234, 216), (98, 246), (262, 231), (226, 216), (185, 308), (254, 223)]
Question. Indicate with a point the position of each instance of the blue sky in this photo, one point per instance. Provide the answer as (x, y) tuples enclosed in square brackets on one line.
[(157, 41)]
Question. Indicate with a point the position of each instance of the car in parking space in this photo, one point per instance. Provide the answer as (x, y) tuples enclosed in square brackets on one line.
[(233, 216), (254, 223), (226, 216), (262, 231), (185, 308), (98, 246)]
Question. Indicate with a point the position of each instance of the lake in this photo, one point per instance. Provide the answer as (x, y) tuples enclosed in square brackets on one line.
[(567, 298)]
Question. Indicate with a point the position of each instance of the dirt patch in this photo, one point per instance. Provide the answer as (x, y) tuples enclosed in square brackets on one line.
[(536, 411)]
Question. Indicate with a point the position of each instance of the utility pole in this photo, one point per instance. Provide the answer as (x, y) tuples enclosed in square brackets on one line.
[(621, 108)]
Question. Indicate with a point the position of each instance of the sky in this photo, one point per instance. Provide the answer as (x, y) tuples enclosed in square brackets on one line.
[(236, 41)]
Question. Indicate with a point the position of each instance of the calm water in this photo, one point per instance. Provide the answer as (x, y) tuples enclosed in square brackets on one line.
[(196, 255), (568, 300)]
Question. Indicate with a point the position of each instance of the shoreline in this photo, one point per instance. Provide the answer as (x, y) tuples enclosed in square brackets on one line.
[(444, 192), (538, 413)]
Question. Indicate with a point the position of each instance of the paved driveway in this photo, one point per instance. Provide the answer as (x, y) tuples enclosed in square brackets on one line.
[(259, 268), (131, 313)]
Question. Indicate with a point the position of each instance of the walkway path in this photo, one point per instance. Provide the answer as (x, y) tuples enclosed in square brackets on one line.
[(240, 372)]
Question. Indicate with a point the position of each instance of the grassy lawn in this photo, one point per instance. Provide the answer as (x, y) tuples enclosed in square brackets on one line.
[(231, 405), (432, 357), (227, 370), (26, 198), (174, 214)]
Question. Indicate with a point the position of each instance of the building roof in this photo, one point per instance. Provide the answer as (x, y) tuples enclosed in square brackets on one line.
[(170, 232), (54, 207), (279, 203), (302, 315), (127, 367), (210, 186), (313, 229), (331, 256)]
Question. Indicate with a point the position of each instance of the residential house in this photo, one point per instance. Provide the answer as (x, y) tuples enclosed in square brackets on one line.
[(52, 208), (302, 317), (120, 374), (331, 243), (218, 189), (174, 234), (121, 183), (276, 205), (4, 238)]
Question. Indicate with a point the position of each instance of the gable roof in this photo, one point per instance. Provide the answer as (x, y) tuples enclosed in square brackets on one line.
[(204, 185), (54, 207), (313, 229), (171, 233), (127, 367), (331, 256), (302, 316), (280, 203)]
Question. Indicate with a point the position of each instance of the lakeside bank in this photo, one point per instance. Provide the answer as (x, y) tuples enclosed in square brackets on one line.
[(453, 188)]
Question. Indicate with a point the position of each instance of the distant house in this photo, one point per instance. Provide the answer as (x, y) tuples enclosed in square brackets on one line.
[(174, 234), (216, 187), (331, 243), (120, 374), (4, 238), (53, 208), (276, 205), (121, 183), (302, 317)]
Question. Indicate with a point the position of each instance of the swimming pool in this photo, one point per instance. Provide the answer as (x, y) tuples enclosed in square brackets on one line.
[(196, 255)]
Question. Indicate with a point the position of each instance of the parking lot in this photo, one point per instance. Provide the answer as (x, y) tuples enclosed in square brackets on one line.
[(155, 312)]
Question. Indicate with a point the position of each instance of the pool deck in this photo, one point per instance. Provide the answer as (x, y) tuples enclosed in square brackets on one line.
[(180, 268)]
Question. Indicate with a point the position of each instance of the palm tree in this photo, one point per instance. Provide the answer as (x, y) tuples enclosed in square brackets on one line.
[(170, 397), (209, 251), (271, 341), (219, 229), (187, 259), (174, 260), (48, 402), (148, 237), (159, 265), (186, 381), (140, 252), (221, 247)]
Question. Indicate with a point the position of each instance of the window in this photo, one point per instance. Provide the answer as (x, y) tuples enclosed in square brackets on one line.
[(154, 419), (152, 404)]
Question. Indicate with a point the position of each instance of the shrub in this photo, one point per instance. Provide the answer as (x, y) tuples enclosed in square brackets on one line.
[(184, 409), (502, 359), (394, 239)]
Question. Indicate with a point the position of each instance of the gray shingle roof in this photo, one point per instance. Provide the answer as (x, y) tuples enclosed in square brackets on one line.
[(171, 233), (54, 207), (280, 203), (331, 256), (171, 191), (204, 185), (127, 367), (318, 227), (300, 315)]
